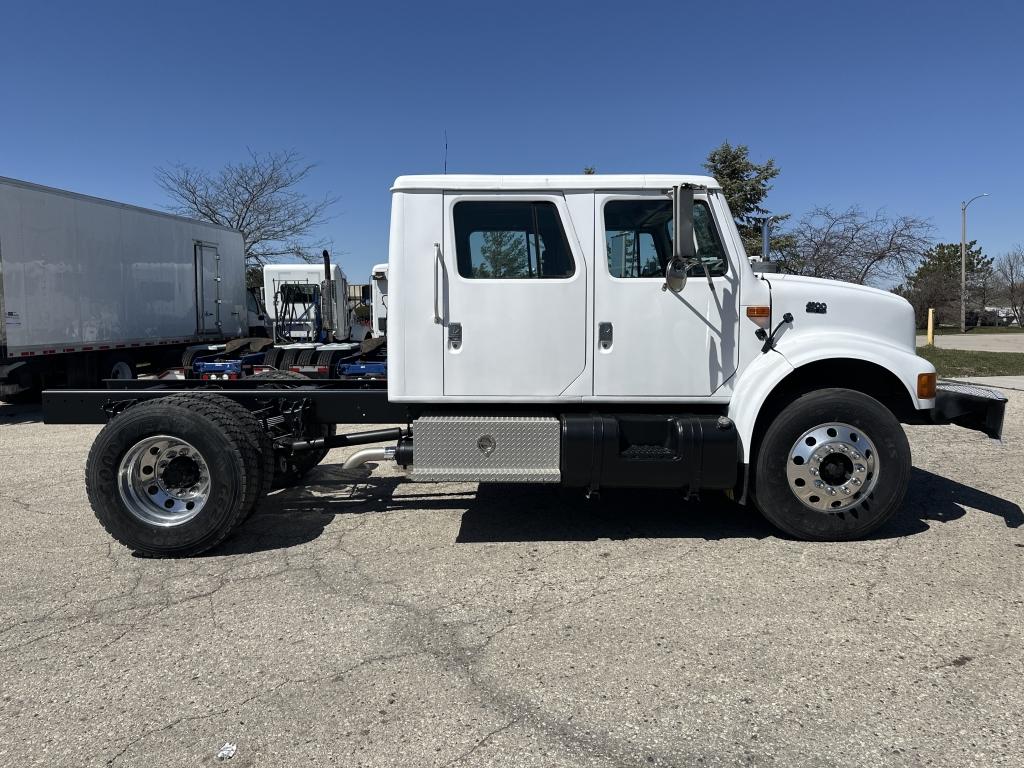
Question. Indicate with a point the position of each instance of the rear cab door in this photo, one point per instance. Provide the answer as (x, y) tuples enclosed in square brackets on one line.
[(514, 302)]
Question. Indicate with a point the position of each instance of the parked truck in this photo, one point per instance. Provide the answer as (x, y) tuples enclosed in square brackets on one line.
[(311, 328), (590, 331), (92, 289)]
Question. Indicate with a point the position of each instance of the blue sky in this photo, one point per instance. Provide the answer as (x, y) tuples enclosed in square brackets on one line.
[(912, 105)]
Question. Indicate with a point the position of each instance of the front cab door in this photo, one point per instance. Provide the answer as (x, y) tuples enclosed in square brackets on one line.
[(652, 342)]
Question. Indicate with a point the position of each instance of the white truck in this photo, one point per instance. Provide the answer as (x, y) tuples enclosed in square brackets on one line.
[(592, 331), (92, 289)]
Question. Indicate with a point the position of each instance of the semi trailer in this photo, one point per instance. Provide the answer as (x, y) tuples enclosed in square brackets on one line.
[(92, 289), (588, 331)]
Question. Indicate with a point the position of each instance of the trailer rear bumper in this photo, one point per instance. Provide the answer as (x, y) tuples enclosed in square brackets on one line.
[(971, 406)]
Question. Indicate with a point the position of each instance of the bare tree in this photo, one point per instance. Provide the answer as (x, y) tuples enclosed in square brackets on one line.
[(1010, 269), (855, 246), (259, 197)]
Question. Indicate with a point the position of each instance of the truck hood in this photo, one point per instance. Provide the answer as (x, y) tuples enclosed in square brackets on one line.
[(831, 305)]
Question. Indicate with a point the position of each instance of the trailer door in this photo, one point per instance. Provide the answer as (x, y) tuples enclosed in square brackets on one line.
[(512, 297), (208, 301)]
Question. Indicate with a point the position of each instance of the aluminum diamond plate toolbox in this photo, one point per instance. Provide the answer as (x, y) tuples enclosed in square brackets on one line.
[(507, 449)]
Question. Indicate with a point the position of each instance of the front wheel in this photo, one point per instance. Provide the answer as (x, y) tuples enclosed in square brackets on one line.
[(833, 466)]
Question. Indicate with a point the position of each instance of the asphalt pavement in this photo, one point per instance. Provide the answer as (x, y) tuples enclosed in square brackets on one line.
[(368, 621)]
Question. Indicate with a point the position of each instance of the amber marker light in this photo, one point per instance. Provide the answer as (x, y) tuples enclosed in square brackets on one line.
[(758, 312), (926, 386)]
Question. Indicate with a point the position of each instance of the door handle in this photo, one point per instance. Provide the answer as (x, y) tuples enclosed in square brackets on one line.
[(437, 262), (455, 335), (605, 334)]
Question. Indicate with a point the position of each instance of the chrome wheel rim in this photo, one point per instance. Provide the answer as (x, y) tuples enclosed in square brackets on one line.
[(163, 481), (832, 468)]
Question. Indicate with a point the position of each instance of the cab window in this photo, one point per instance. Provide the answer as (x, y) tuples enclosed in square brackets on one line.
[(638, 238), (506, 239)]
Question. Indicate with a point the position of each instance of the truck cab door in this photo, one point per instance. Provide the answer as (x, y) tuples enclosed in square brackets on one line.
[(651, 342), (514, 303)]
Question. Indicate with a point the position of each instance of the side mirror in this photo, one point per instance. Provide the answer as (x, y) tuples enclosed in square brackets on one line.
[(675, 275), (684, 251)]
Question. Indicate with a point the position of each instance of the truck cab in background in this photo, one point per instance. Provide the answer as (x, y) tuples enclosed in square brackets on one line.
[(379, 300)]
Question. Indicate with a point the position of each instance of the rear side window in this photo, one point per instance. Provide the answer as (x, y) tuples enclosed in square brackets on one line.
[(638, 238), (508, 239)]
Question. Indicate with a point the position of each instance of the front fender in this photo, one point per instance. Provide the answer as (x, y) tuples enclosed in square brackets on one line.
[(752, 388), (761, 377)]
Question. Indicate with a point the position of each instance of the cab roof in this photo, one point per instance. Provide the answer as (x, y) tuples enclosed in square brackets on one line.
[(581, 181)]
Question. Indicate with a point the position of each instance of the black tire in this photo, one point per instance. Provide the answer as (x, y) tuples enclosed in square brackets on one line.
[(118, 367), (870, 422), (255, 435), (271, 357), (287, 360), (188, 357), (326, 360), (279, 376), (305, 357), (290, 469), (233, 463)]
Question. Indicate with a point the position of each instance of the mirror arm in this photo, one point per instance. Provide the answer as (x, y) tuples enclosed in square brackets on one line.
[(707, 274)]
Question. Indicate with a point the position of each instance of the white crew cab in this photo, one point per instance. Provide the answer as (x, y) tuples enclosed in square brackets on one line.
[(593, 331)]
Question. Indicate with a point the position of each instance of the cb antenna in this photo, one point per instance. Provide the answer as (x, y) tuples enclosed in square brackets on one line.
[(444, 161)]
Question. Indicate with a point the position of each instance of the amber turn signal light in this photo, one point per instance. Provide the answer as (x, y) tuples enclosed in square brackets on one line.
[(756, 312), (926, 386)]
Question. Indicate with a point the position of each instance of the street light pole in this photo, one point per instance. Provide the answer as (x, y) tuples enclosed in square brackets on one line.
[(963, 260)]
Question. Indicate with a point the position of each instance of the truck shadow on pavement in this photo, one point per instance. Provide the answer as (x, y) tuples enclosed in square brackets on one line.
[(18, 413), (504, 513), (934, 498)]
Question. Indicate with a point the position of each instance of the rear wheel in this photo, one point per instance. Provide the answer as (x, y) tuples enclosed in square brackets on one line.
[(172, 479), (289, 469), (833, 466), (115, 367), (254, 434)]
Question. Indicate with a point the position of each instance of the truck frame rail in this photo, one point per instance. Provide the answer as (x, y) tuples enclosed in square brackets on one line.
[(330, 401)]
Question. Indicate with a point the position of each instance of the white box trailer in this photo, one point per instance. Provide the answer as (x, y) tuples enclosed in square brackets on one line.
[(92, 289)]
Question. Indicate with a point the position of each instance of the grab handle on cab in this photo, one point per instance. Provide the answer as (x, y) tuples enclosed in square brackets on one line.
[(437, 262)]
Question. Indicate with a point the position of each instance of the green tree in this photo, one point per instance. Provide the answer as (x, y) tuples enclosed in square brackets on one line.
[(745, 185), (936, 282), (503, 253)]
